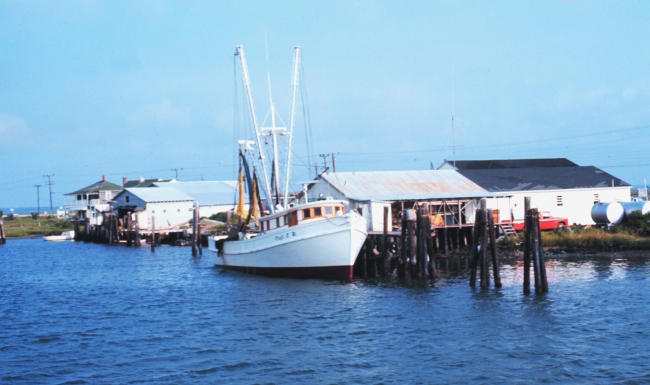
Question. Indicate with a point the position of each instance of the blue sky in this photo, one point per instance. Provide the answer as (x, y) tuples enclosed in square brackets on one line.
[(139, 88)]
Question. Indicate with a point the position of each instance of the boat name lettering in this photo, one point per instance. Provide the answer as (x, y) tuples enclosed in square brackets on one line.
[(285, 236)]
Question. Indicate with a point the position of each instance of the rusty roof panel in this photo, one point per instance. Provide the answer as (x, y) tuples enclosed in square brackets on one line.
[(405, 185)]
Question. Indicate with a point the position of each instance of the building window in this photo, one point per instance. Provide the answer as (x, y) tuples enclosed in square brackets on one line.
[(128, 198), (179, 210), (596, 198), (153, 211), (559, 200), (164, 211), (78, 197)]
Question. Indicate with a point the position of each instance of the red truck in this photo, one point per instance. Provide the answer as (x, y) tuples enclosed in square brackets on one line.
[(546, 222)]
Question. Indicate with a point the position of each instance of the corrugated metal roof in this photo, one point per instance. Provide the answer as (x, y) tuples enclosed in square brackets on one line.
[(207, 192), (405, 185), (157, 194)]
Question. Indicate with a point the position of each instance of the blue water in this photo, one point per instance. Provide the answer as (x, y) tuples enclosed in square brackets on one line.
[(91, 314)]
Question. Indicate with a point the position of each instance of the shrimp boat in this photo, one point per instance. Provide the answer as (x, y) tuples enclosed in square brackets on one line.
[(313, 240), (318, 239)]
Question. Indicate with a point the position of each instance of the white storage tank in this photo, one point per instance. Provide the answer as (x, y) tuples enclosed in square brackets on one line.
[(607, 213), (642, 206)]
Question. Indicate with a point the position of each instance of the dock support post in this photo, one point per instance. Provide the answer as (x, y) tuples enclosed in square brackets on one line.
[(534, 231), (493, 250), (198, 227), (384, 244), (402, 247), (153, 233), (542, 261), (129, 233), (365, 258), (527, 221), (194, 230), (138, 242), (485, 269), (3, 239)]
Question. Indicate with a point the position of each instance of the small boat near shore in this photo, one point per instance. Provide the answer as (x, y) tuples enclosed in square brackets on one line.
[(65, 236)]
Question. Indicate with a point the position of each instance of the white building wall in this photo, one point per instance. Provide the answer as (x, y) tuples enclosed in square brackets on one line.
[(207, 211), (169, 214), (576, 203)]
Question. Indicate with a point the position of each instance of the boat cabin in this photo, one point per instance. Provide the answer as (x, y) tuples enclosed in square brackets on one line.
[(303, 213)]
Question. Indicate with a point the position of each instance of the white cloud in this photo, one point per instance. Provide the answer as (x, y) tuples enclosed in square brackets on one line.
[(160, 115), (12, 128)]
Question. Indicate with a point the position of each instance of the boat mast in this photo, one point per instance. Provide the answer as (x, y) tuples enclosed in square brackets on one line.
[(294, 82), (239, 51)]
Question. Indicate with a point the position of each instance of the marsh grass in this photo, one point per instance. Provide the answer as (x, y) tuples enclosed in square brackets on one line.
[(22, 226), (593, 239)]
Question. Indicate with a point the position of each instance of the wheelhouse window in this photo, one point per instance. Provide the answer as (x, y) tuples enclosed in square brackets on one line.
[(306, 213), (318, 211), (328, 210)]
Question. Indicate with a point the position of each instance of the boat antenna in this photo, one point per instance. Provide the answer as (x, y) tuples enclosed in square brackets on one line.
[(294, 83)]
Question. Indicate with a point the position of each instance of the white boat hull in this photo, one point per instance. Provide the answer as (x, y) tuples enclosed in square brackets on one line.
[(66, 236), (324, 248)]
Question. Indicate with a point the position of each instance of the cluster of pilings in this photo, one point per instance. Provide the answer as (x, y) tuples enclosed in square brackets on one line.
[(404, 255), (484, 239), (534, 250), (419, 252)]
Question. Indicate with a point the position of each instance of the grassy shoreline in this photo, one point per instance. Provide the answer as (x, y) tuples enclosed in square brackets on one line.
[(25, 226), (587, 239)]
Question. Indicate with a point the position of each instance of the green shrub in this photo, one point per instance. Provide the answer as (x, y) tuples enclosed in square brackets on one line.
[(34, 216), (221, 217)]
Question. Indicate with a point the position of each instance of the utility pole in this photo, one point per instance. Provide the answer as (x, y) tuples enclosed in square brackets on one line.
[(324, 156), (176, 170), (38, 198), (50, 183)]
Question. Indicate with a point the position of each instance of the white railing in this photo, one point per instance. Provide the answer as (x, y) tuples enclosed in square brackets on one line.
[(84, 202)]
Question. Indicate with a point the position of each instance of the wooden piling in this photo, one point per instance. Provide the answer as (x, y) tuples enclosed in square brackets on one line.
[(194, 231), (129, 230), (534, 233), (402, 249), (153, 233), (3, 239), (384, 244), (474, 255), (527, 250), (198, 227), (137, 241), (485, 268), (542, 262), (493, 250), (365, 259)]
